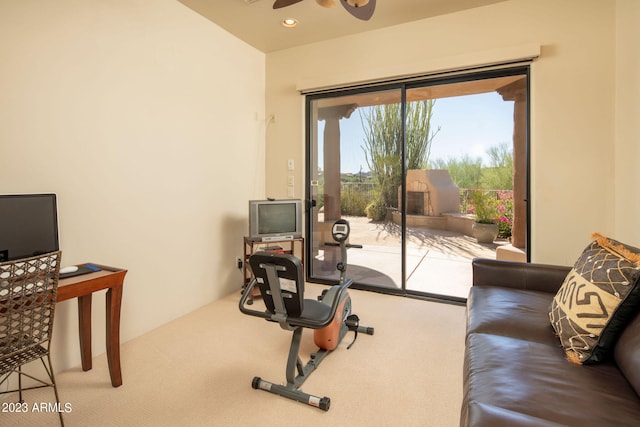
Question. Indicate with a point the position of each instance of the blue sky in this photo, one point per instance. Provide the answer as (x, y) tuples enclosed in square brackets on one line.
[(468, 125)]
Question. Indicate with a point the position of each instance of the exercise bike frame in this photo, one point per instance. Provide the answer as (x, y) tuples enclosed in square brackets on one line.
[(296, 372), (337, 298)]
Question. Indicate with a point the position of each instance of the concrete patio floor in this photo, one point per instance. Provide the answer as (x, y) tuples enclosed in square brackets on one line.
[(438, 261)]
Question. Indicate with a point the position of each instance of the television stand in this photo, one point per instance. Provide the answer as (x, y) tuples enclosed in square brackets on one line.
[(277, 238), (283, 245)]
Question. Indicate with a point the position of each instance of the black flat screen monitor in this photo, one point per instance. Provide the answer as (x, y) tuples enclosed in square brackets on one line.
[(28, 225)]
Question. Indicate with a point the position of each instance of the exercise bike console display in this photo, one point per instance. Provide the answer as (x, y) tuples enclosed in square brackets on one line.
[(340, 233), (340, 230)]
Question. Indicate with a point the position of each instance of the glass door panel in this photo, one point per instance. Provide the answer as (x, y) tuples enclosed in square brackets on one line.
[(475, 142), (355, 170)]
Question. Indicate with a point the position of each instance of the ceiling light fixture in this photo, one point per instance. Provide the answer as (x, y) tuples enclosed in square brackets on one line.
[(289, 23)]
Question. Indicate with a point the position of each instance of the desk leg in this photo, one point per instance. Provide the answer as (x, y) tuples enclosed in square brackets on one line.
[(114, 299), (84, 320)]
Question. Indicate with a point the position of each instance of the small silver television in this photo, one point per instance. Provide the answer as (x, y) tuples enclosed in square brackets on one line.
[(271, 220)]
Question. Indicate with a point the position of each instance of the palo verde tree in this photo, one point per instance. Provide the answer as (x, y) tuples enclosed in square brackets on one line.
[(383, 142), (465, 171), (469, 172), (499, 174)]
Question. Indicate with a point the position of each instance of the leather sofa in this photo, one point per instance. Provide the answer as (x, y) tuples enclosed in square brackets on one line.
[(515, 370)]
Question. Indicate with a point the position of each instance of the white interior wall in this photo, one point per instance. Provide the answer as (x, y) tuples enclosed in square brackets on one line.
[(627, 125), (572, 102), (147, 120), (137, 115)]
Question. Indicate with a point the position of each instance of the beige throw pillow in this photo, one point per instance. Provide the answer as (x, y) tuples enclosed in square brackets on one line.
[(599, 296)]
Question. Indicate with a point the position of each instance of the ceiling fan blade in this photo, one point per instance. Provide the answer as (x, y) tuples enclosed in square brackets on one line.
[(326, 3), (284, 3), (363, 12)]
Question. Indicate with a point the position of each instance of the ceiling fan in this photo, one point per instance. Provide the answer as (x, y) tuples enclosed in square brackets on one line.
[(361, 9)]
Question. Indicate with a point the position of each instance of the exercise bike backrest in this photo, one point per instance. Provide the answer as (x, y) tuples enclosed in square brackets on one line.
[(287, 272)]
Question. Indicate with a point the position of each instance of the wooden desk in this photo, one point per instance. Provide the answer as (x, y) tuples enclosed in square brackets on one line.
[(83, 287)]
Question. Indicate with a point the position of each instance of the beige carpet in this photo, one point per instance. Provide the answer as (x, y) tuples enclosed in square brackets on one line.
[(197, 371)]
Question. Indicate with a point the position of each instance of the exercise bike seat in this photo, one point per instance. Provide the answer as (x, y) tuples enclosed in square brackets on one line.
[(281, 283)]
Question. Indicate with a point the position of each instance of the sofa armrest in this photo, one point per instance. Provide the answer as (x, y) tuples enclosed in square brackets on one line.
[(518, 275)]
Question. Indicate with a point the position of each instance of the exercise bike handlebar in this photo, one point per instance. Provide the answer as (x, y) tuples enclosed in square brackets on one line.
[(245, 296), (346, 245)]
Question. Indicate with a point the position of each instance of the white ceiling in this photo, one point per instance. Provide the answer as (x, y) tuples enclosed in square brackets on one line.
[(257, 23)]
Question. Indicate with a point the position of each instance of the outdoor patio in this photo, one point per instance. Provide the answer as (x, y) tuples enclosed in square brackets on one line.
[(438, 261)]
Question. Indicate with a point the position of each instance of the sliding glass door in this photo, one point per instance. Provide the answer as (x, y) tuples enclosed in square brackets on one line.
[(403, 163), (348, 141)]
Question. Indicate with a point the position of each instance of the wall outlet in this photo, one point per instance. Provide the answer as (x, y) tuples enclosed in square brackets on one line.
[(238, 262)]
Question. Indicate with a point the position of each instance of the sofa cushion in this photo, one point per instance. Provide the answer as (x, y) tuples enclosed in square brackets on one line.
[(533, 379), (483, 415), (597, 299), (627, 353), (513, 313)]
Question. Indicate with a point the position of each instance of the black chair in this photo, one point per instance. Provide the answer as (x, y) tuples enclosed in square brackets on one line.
[(28, 289), (281, 282)]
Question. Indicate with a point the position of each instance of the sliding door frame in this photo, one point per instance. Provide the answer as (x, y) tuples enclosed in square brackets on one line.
[(404, 86)]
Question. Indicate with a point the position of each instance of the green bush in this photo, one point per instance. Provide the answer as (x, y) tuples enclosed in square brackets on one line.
[(376, 210), (485, 206), (353, 203)]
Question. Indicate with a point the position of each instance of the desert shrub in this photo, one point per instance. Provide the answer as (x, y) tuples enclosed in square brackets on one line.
[(354, 203), (376, 210)]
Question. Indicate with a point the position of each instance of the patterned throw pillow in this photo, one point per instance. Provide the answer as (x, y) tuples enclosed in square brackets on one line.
[(597, 299)]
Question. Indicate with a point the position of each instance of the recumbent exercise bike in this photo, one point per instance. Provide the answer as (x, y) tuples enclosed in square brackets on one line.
[(281, 283)]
